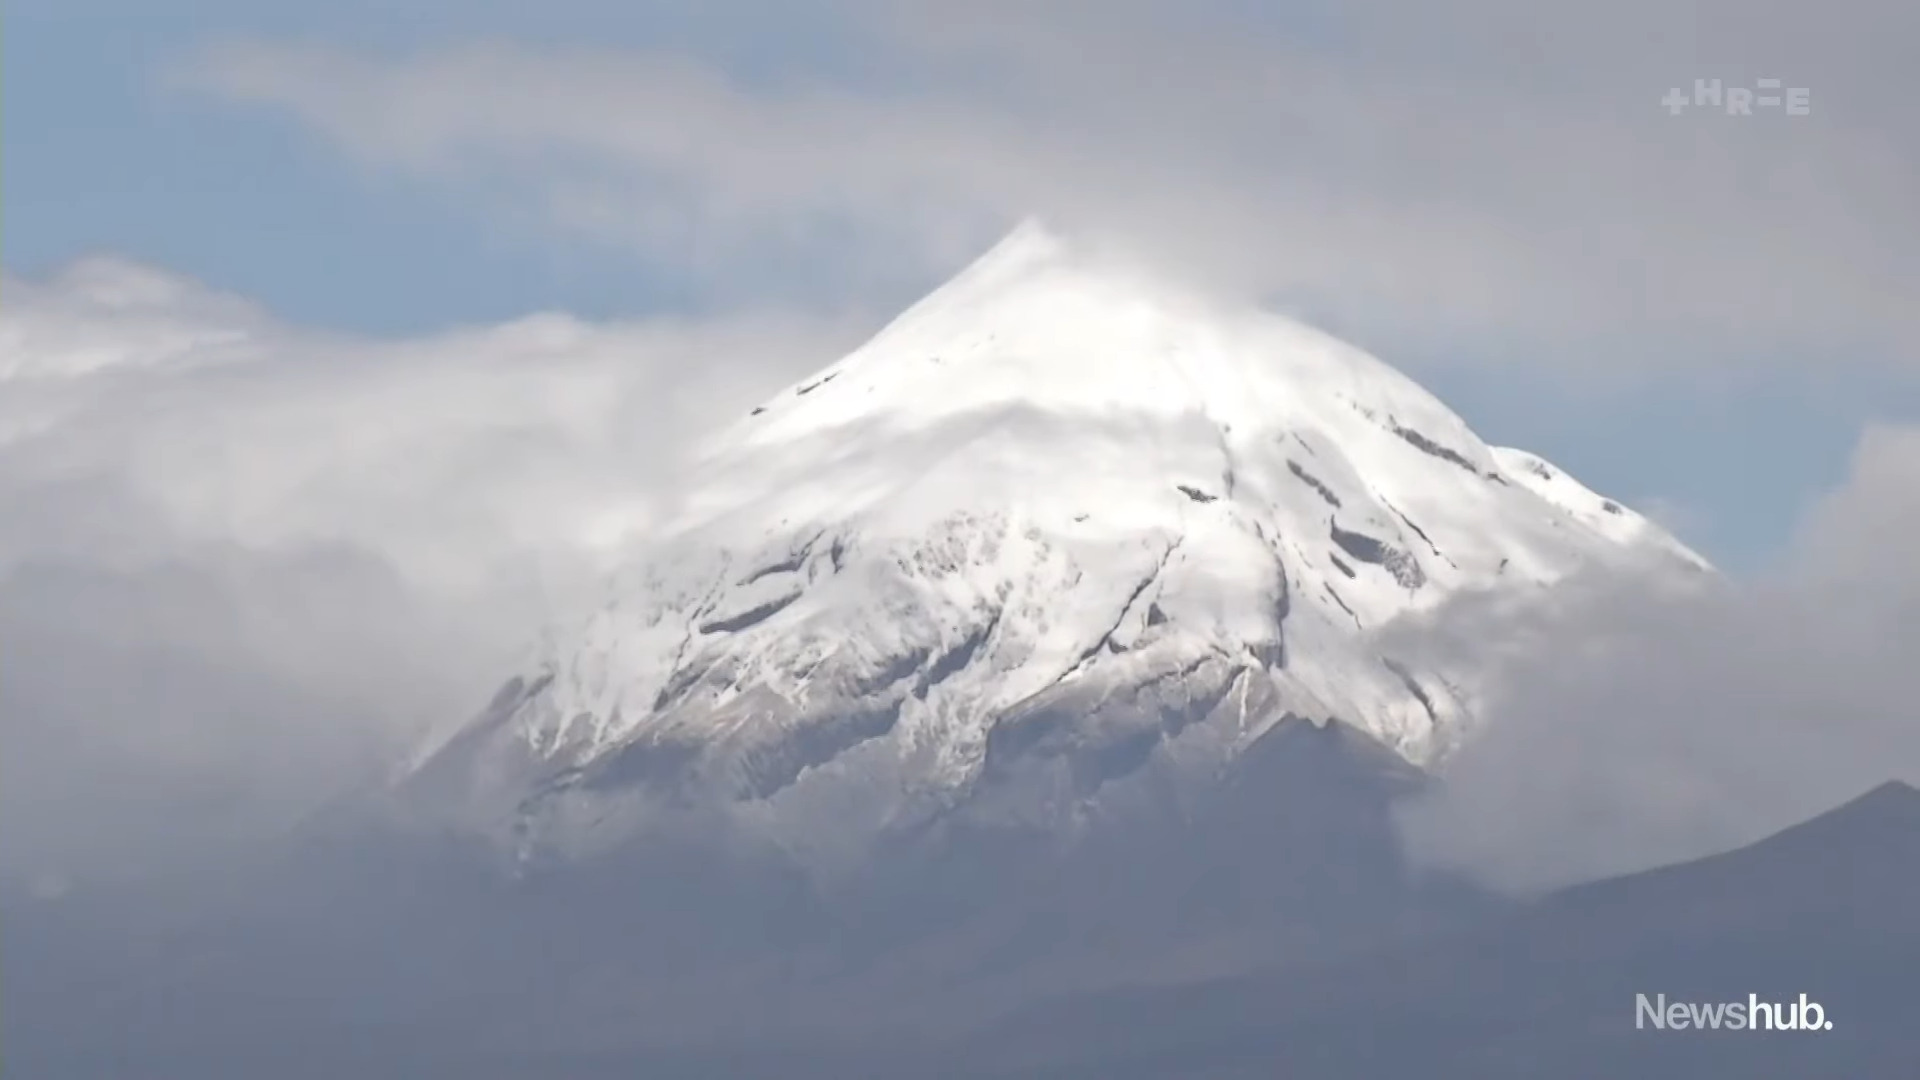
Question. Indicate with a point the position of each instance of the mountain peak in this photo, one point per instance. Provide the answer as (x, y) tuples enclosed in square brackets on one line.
[(1044, 329), (1032, 240), (1059, 528)]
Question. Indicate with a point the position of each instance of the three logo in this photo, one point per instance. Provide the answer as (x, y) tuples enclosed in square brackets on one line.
[(1740, 100)]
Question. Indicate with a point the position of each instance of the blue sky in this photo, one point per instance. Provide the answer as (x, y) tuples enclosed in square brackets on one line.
[(250, 190), (101, 157)]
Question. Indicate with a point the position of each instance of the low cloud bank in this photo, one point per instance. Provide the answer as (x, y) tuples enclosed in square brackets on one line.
[(1640, 726), (242, 563)]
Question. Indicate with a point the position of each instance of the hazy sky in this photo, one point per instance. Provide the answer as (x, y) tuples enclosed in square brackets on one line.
[(402, 306)]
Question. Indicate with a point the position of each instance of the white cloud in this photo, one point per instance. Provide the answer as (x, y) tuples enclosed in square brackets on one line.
[(1643, 729), (1506, 168), (240, 560)]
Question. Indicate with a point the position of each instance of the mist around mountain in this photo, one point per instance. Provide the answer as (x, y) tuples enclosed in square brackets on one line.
[(1261, 938), (1075, 717)]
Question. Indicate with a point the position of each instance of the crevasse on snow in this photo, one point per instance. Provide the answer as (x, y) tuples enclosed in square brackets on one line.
[(1059, 520)]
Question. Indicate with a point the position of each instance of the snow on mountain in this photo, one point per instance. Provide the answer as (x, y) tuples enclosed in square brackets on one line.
[(1061, 521)]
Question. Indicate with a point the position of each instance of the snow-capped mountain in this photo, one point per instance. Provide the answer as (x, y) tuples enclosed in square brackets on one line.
[(1063, 533)]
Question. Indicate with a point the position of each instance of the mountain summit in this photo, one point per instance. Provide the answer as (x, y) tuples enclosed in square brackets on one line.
[(1062, 534)]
